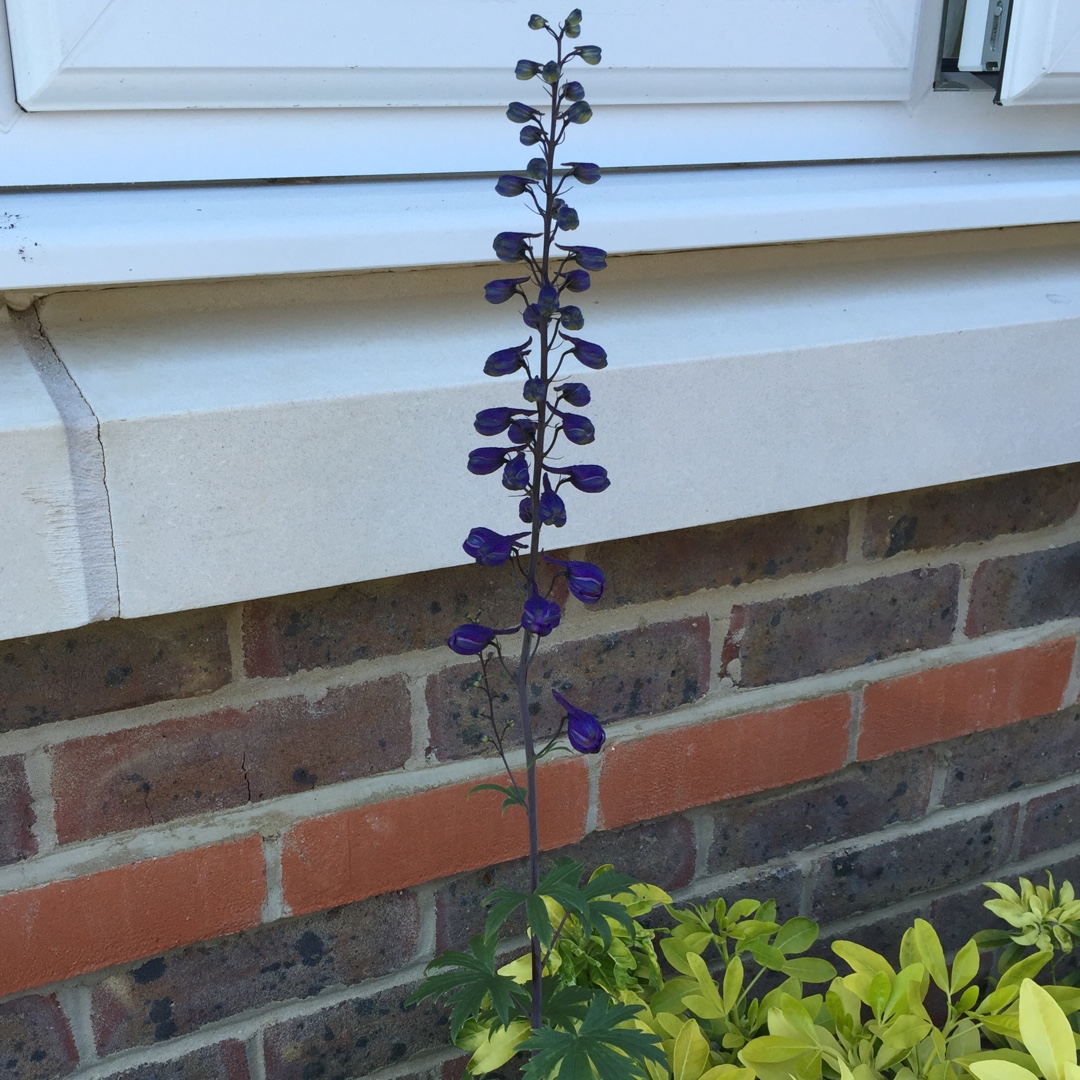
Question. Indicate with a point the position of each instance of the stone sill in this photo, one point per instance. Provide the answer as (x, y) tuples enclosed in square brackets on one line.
[(271, 436)]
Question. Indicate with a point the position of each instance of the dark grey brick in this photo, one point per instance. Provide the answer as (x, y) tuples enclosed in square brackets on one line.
[(1025, 590), (875, 876), (989, 763), (861, 799), (35, 1040), (841, 627), (1051, 821), (222, 1061), (180, 991)]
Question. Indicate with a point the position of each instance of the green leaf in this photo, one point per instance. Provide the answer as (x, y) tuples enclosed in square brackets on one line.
[(766, 955), (861, 958), (502, 904), (471, 984), (930, 953), (513, 798), (1045, 1030), (733, 983), (809, 969), (1027, 968), (497, 1046), (690, 1055), (965, 966), (598, 1050), (796, 935)]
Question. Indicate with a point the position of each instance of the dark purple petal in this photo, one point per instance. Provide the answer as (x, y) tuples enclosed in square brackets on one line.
[(582, 728), (584, 580), (512, 246), (516, 474), (533, 317), (511, 186), (579, 113), (567, 218), (572, 318), (490, 548), (578, 429), (576, 280), (587, 352), (576, 394), (498, 292), (470, 639), (525, 510), (540, 616), (530, 135), (588, 258), (521, 431), (573, 91), (536, 169), (552, 508), (507, 361), (584, 172), (587, 478), (534, 390), (487, 459), (548, 300), (495, 421), (521, 113)]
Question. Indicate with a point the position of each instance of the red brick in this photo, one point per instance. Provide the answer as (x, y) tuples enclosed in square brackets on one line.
[(943, 703), (112, 665), (16, 812), (687, 767), (73, 927), (391, 845), (128, 779)]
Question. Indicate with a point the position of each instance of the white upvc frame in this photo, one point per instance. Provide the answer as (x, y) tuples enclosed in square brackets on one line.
[(1042, 64)]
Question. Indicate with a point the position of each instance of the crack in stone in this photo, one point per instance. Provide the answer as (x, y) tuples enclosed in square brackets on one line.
[(86, 459)]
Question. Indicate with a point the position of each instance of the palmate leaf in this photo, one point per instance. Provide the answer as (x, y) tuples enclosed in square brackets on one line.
[(598, 1050), (589, 903), (502, 903), (471, 985)]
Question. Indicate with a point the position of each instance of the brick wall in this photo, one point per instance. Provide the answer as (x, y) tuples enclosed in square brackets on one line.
[(231, 839)]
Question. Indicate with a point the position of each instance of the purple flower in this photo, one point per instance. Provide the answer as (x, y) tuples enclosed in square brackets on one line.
[(588, 258), (495, 421), (576, 394), (571, 318), (579, 113), (510, 185), (582, 728), (486, 459), (536, 169), (533, 317), (587, 352), (552, 508), (576, 280), (519, 112), (572, 91), (516, 474), (548, 299), (567, 218), (498, 292), (507, 361), (587, 478), (525, 510), (490, 548), (526, 69), (534, 390), (584, 172), (584, 580), (512, 246), (521, 431), (471, 639), (540, 616), (530, 135), (578, 429), (551, 72)]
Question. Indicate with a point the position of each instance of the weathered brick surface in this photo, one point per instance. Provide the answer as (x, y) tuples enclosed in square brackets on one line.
[(339, 626), (663, 565), (222, 1061), (1025, 590), (614, 676), (354, 1038), (971, 511), (860, 799), (863, 879), (140, 776), (177, 993), (659, 852), (784, 884), (35, 1040), (941, 703), (841, 627), (960, 914), (16, 812), (683, 768), (112, 665), (390, 845), (1051, 821), (73, 927), (988, 763)]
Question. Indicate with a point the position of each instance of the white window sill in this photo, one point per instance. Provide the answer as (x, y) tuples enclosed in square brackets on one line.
[(276, 436), (74, 238)]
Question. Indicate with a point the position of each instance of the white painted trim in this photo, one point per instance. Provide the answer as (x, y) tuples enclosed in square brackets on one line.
[(1042, 64), (53, 239), (276, 436)]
